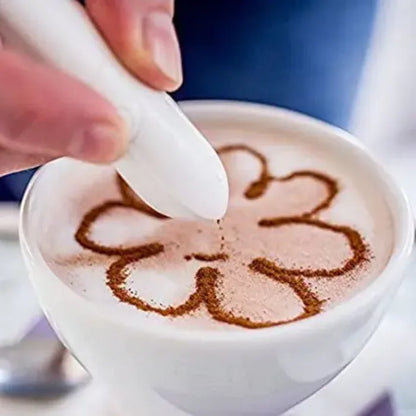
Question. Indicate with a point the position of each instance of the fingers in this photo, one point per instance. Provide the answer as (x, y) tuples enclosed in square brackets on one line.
[(142, 34), (43, 111), (13, 161)]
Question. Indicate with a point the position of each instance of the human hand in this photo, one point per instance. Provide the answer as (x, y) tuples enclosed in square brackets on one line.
[(45, 114)]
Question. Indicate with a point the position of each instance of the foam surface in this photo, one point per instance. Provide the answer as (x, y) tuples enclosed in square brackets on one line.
[(168, 279)]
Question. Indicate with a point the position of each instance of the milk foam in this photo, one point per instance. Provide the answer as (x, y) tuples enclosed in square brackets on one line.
[(169, 279)]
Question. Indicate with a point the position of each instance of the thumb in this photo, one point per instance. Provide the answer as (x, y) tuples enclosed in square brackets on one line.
[(45, 111)]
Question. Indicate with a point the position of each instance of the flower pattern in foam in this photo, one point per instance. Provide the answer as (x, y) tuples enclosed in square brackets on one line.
[(297, 199)]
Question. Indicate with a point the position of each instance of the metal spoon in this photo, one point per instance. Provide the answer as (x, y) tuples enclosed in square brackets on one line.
[(35, 365), (39, 367)]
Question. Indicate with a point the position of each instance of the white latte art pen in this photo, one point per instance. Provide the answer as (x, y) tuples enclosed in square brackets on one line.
[(168, 163)]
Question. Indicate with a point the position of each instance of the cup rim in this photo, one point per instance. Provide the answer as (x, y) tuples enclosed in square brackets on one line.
[(403, 242)]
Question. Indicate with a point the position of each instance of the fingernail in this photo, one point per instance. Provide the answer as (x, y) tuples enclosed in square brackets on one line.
[(99, 143), (161, 42)]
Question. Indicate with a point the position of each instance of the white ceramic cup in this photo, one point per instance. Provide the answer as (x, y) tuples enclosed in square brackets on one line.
[(157, 370)]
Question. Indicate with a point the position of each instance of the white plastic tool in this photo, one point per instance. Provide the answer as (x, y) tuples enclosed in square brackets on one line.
[(169, 163)]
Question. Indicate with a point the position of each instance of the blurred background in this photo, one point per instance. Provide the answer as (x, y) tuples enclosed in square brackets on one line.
[(351, 63)]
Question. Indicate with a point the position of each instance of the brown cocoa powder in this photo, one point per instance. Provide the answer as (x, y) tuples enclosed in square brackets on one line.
[(206, 257), (210, 257), (221, 230)]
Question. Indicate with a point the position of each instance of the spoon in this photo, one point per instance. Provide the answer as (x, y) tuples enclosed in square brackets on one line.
[(33, 362), (39, 367)]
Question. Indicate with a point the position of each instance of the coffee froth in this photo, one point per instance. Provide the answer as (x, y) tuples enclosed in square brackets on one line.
[(278, 256)]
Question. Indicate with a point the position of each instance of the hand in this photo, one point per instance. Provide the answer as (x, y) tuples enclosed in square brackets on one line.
[(45, 114)]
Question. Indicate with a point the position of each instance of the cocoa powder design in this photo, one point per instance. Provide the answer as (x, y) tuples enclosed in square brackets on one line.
[(207, 280)]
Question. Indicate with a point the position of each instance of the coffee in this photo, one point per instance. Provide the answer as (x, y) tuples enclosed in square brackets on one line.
[(304, 232)]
